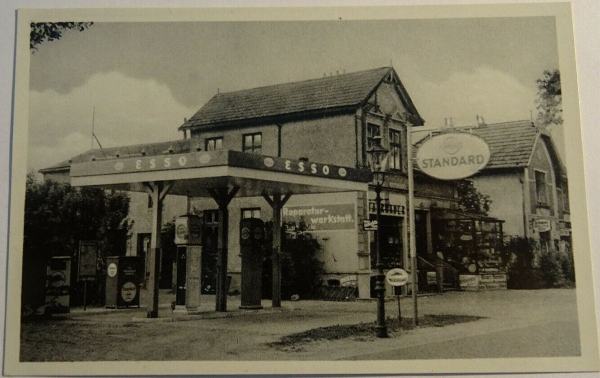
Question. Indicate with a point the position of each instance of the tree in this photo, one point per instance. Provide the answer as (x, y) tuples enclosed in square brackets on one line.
[(50, 31), (58, 216), (472, 200), (549, 101)]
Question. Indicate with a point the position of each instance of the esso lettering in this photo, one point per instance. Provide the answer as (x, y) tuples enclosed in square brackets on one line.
[(182, 161), (288, 165), (138, 164), (167, 162), (313, 168), (325, 170), (301, 166), (152, 163)]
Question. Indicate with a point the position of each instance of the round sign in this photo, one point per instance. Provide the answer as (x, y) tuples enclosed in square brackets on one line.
[(258, 233), (245, 233), (397, 277), (112, 269), (453, 156), (57, 279), (195, 231), (181, 230), (128, 291)]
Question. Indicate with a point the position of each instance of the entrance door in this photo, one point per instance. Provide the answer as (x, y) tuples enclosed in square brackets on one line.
[(210, 238)]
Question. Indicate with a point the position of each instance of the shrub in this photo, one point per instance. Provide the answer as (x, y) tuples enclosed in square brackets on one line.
[(551, 268), (300, 268)]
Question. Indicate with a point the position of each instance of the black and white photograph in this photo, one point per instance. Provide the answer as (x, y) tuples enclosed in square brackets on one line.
[(340, 190)]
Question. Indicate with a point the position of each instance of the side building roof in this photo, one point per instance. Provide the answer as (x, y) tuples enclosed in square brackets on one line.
[(346, 92)]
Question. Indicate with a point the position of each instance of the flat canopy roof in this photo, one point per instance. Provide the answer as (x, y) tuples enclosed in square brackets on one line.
[(194, 173)]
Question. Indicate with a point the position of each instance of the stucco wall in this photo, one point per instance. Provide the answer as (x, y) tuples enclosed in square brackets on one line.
[(506, 192)]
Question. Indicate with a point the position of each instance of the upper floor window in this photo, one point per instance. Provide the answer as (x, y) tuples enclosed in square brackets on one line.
[(253, 212), (252, 143), (372, 132), (395, 159), (540, 188), (211, 144)]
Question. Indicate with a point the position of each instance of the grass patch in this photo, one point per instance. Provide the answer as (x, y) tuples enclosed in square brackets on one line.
[(366, 331)]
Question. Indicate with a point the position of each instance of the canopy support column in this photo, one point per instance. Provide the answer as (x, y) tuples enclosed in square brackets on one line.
[(222, 197), (277, 202), (157, 190)]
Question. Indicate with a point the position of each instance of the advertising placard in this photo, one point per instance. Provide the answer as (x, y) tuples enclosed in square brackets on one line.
[(322, 217), (88, 255)]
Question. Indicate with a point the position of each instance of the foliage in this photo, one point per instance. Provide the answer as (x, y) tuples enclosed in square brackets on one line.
[(472, 200), (58, 216), (523, 249), (549, 101), (551, 269), (300, 268), (50, 31)]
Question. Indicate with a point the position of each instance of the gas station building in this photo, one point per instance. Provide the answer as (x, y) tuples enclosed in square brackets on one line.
[(289, 153)]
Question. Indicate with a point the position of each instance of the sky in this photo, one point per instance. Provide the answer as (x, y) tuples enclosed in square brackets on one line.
[(136, 82)]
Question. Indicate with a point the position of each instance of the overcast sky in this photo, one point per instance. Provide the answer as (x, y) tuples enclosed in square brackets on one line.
[(144, 78)]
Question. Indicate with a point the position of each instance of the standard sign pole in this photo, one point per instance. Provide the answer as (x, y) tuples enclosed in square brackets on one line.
[(397, 277), (411, 221)]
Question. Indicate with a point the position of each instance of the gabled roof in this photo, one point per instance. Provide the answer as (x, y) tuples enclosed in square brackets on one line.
[(511, 143), (346, 92)]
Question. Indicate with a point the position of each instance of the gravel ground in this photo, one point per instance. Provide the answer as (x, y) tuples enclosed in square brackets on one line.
[(111, 335)]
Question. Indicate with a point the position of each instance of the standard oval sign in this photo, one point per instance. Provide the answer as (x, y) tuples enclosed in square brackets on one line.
[(397, 277), (453, 156)]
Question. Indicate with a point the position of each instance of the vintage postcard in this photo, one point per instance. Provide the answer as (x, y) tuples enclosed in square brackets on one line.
[(348, 190)]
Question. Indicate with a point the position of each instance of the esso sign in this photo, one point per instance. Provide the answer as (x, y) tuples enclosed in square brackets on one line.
[(397, 277), (453, 156)]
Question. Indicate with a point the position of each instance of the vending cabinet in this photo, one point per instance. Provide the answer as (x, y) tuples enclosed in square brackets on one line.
[(58, 285), (123, 282), (252, 238)]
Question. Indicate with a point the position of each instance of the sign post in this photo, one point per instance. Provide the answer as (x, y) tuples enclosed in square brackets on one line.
[(447, 156), (397, 277), (88, 268)]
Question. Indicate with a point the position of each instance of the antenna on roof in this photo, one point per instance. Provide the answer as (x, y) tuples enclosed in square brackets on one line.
[(94, 134)]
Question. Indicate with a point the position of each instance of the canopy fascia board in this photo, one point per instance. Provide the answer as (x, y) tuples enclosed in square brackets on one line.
[(214, 169)]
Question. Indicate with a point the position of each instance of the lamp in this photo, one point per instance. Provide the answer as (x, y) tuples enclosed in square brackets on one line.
[(378, 163)]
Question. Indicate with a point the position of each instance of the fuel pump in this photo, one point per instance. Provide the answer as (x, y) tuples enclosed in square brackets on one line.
[(252, 238), (188, 236)]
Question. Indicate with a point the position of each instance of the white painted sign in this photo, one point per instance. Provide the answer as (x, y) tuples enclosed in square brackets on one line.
[(369, 225), (112, 270), (397, 277), (542, 225), (453, 156)]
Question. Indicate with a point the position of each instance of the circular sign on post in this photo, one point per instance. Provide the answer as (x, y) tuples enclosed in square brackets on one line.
[(397, 277), (453, 156), (111, 270), (128, 291)]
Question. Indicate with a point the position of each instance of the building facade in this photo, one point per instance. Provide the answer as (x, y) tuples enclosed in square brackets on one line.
[(333, 120), (527, 182)]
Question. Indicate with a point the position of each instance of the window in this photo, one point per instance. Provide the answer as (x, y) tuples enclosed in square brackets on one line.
[(253, 212), (372, 132), (211, 144), (540, 188), (252, 143), (394, 156)]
